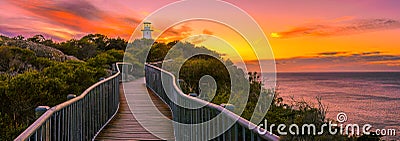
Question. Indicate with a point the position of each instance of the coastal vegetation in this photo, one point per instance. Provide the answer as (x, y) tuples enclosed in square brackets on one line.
[(38, 71), (280, 112), (33, 72)]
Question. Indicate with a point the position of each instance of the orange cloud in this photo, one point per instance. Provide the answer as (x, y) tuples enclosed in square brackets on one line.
[(175, 33), (208, 32), (66, 19), (197, 39), (338, 27), (393, 63), (334, 53)]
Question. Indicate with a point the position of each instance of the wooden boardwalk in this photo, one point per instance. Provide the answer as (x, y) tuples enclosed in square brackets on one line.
[(149, 114)]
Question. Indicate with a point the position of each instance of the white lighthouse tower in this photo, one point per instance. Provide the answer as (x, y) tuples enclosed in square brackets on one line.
[(147, 30)]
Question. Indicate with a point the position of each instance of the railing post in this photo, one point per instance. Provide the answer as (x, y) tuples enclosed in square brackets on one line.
[(229, 107), (45, 132), (40, 110), (70, 96), (193, 94), (228, 133)]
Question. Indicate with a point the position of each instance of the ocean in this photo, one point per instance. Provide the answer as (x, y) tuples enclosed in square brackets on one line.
[(365, 97)]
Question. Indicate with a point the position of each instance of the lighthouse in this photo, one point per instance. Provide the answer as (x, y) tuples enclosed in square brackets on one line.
[(147, 30)]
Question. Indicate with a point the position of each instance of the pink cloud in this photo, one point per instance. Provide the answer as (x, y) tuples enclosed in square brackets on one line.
[(64, 19), (336, 61), (337, 27)]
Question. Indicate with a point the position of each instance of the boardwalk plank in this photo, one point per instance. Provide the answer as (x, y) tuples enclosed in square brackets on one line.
[(125, 126)]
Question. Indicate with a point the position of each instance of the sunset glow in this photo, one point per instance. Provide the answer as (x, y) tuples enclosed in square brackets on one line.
[(304, 35)]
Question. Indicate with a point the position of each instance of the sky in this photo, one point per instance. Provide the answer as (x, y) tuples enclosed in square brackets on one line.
[(305, 36)]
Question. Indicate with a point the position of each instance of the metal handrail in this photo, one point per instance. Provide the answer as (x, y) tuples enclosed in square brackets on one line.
[(80, 118), (203, 114)]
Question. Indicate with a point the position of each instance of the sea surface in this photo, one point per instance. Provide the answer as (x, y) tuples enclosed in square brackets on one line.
[(365, 97)]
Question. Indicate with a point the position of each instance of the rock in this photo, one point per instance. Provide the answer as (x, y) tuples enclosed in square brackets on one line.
[(69, 57), (40, 50)]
